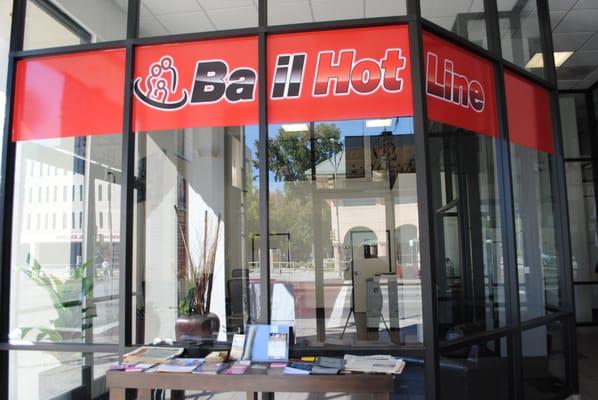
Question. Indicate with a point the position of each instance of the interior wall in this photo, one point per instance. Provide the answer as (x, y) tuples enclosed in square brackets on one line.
[(104, 19)]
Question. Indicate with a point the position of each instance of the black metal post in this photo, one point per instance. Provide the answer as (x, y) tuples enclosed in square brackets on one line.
[(507, 209), (560, 195), (7, 173), (263, 166), (128, 179), (424, 203)]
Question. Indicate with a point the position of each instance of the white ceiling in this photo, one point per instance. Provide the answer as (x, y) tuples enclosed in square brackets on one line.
[(574, 22), (160, 17), (575, 28)]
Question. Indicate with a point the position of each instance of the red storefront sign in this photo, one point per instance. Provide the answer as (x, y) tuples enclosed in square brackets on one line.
[(311, 76), (459, 87), (69, 95), (528, 111), (196, 84), (339, 74)]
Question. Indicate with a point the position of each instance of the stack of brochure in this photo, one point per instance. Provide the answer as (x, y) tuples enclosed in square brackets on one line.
[(327, 366), (152, 355), (237, 369), (210, 369), (298, 368), (379, 364), (180, 365)]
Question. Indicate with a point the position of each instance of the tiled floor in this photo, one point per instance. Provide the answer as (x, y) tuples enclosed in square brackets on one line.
[(587, 348)]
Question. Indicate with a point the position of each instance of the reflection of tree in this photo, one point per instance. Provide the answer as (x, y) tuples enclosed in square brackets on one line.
[(291, 209), (290, 153), (293, 214)]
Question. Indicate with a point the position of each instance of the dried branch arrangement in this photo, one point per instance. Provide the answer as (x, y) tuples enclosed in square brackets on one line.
[(195, 279)]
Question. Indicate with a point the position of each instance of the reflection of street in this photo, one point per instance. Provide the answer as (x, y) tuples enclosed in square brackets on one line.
[(337, 301)]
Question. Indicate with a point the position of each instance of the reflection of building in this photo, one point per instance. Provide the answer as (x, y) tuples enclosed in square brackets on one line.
[(71, 205), (55, 206), (378, 173)]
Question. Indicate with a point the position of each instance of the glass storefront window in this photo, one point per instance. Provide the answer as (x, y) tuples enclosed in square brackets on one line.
[(44, 375), (535, 208), (538, 259), (466, 19), (577, 146), (469, 268), (544, 361), (577, 134), (52, 23), (520, 34), (282, 12), (66, 238), (57, 375), (475, 371), (344, 243), (196, 209), (158, 17)]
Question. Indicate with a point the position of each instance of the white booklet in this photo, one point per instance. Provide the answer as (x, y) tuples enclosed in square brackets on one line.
[(381, 364), (236, 349)]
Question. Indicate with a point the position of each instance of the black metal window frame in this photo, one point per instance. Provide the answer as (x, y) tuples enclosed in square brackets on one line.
[(417, 25)]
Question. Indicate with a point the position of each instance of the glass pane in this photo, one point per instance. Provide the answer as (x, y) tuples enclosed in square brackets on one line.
[(466, 19), (52, 23), (196, 218), (575, 128), (37, 375), (469, 267), (476, 371), (520, 34), (282, 12), (345, 263), (65, 261), (538, 259), (586, 303), (40, 375), (582, 220), (159, 17), (544, 353)]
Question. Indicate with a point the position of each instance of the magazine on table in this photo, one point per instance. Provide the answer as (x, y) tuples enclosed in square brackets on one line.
[(266, 343), (180, 365), (236, 369), (210, 369), (379, 364), (152, 354)]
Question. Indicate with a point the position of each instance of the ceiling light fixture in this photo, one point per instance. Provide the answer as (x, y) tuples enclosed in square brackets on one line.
[(295, 127), (378, 123), (537, 61)]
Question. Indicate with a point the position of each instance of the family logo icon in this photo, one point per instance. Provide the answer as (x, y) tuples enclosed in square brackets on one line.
[(161, 86)]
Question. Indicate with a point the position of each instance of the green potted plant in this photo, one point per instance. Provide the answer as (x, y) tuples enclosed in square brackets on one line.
[(195, 284), (71, 300)]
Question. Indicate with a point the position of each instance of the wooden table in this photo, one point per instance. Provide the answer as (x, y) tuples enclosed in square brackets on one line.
[(381, 386)]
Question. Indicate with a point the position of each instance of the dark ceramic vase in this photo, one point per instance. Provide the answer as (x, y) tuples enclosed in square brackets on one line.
[(193, 327)]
